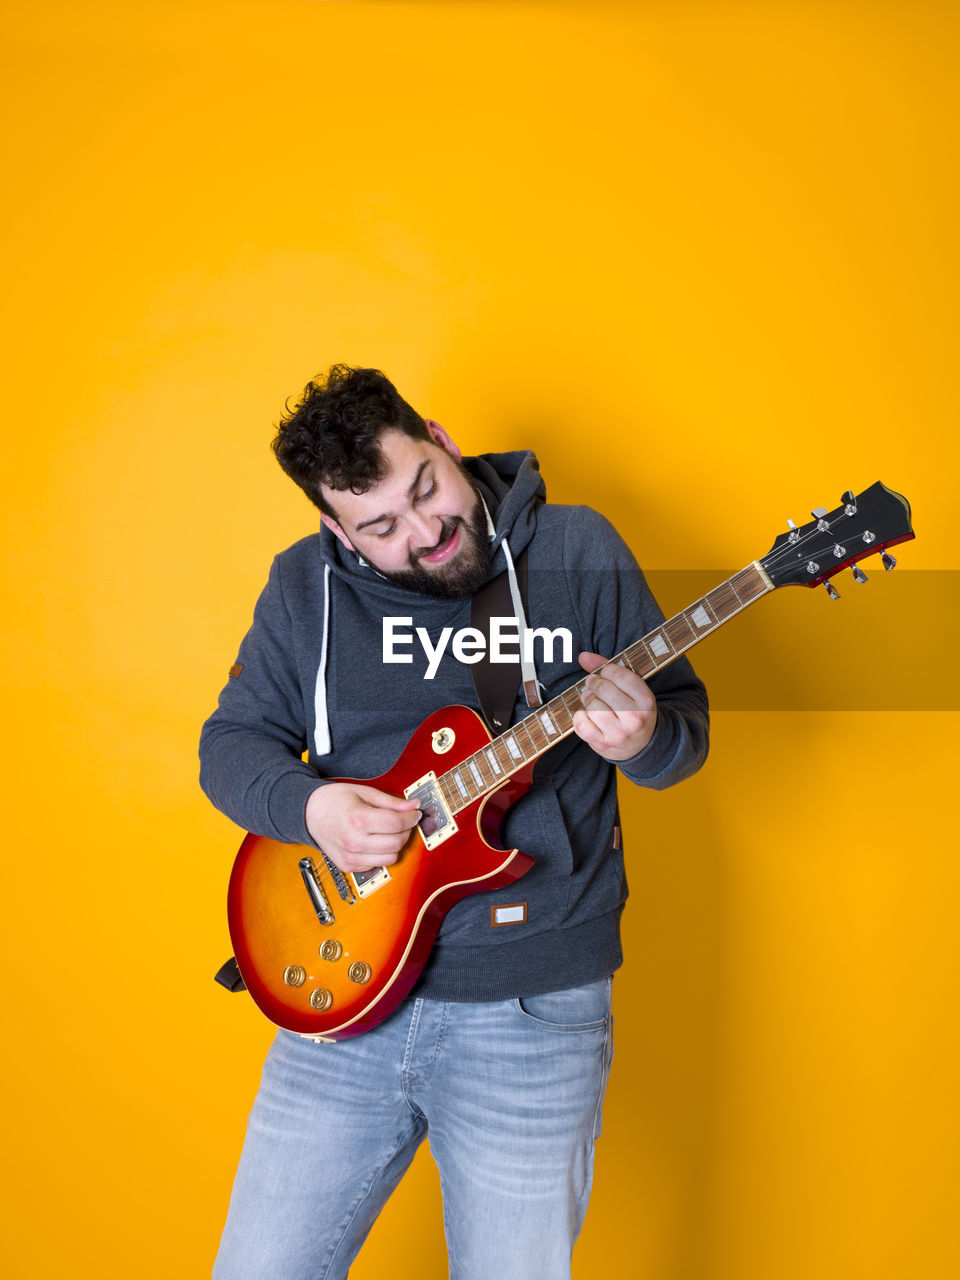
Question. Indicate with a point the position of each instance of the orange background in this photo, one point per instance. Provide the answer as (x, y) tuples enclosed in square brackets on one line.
[(702, 257)]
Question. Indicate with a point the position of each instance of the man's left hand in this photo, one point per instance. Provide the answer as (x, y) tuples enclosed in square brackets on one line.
[(619, 712)]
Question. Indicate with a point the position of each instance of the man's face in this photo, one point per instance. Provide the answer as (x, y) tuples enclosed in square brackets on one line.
[(423, 525)]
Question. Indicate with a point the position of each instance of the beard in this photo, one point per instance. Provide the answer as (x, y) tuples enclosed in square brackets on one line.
[(459, 577)]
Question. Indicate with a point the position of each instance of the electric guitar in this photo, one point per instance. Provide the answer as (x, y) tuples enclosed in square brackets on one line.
[(330, 954)]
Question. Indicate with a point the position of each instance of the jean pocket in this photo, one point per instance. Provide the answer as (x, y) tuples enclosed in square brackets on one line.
[(580, 1009)]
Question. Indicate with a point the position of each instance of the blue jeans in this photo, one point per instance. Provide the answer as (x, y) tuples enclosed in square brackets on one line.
[(511, 1095)]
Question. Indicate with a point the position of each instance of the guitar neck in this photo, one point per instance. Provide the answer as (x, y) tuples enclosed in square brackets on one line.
[(525, 742)]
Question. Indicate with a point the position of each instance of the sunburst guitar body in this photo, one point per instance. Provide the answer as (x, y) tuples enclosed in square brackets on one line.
[(330, 954)]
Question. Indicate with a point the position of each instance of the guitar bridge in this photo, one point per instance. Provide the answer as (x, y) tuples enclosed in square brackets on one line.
[(318, 898), (438, 823)]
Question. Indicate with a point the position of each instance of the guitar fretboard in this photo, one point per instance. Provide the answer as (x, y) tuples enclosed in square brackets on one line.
[(532, 737)]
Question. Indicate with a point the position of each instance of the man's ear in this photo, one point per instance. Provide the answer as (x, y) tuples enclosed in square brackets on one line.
[(336, 530), (440, 437)]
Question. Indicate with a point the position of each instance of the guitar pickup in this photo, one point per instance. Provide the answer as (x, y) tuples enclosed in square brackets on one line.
[(369, 881), (438, 823)]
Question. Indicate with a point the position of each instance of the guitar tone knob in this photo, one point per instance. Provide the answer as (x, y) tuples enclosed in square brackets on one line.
[(331, 949), (321, 998), (294, 975), (359, 972)]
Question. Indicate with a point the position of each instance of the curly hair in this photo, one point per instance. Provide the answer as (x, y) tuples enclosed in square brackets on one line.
[(332, 436)]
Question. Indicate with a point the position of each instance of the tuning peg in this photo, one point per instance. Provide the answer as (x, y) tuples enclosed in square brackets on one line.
[(858, 574), (818, 513), (888, 561), (794, 532), (832, 591), (849, 503)]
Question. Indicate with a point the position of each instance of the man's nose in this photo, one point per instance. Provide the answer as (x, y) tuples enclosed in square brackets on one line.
[(425, 531)]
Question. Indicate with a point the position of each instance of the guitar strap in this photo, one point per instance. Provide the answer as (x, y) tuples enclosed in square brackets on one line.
[(496, 683), (228, 975)]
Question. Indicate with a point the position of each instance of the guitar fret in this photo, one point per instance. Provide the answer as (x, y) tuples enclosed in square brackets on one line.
[(478, 763), (572, 693), (446, 794), (563, 714), (640, 658), (525, 726), (747, 581), (724, 602), (675, 629)]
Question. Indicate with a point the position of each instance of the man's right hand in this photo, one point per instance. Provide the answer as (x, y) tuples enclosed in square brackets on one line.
[(359, 827)]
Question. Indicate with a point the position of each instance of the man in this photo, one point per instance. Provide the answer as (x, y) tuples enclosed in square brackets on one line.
[(501, 1051)]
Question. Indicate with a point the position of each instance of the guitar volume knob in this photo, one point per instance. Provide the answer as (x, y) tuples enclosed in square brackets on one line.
[(331, 949), (321, 998), (294, 975), (359, 972)]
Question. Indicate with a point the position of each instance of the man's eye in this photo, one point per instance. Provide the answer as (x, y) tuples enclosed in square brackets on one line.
[(428, 493), (389, 529)]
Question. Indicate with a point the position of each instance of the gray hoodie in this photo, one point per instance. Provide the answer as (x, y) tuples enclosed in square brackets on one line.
[(310, 677)]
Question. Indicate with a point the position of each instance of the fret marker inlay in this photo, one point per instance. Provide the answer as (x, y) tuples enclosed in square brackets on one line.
[(659, 645), (700, 616)]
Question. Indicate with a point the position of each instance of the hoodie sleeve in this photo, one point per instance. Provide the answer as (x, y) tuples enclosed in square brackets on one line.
[(615, 607), (251, 747)]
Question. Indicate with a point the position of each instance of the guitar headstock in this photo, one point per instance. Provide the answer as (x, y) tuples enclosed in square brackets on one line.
[(861, 526)]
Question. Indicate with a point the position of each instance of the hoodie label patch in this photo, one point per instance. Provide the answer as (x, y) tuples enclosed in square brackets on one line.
[(509, 913), (236, 669)]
